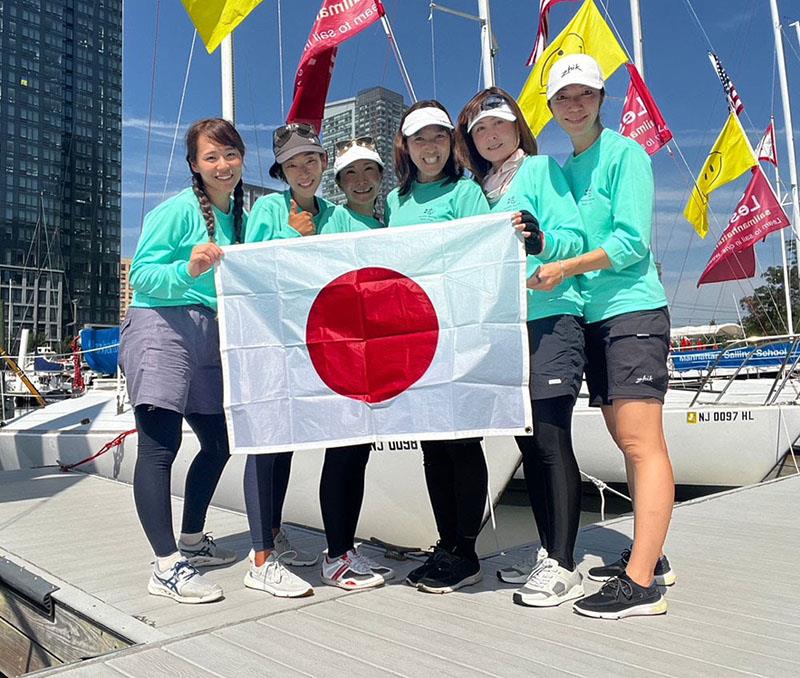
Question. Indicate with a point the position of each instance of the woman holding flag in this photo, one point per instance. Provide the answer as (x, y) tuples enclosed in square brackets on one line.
[(169, 352), (432, 189), (497, 146), (358, 171), (627, 326)]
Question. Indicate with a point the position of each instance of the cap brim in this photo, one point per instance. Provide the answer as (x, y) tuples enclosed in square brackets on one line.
[(492, 113), (289, 153)]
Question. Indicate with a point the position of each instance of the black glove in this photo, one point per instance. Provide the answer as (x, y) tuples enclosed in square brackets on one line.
[(533, 243)]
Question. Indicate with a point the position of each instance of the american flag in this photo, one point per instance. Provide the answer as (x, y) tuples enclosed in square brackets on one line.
[(734, 102), (542, 33)]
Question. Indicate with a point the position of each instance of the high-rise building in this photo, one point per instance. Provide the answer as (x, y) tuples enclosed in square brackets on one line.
[(61, 116), (125, 289), (373, 112)]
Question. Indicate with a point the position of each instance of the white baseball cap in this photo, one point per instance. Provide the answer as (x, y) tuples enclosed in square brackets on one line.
[(574, 69), (493, 106), (422, 117), (354, 153)]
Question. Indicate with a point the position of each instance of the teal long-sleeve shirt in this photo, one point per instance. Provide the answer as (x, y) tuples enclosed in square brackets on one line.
[(539, 186), (435, 201), (159, 271), (612, 182)]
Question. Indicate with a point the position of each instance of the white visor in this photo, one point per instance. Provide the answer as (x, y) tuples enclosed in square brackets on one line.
[(423, 117), (355, 152), (503, 112)]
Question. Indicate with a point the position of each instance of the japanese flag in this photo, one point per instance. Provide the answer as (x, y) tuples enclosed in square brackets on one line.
[(375, 336)]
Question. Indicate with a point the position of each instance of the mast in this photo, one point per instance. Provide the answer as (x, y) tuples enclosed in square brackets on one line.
[(226, 65), (638, 44), (786, 277), (487, 48), (787, 124)]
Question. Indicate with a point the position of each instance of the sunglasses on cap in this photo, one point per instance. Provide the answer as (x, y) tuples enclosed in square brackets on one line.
[(493, 101), (344, 146), (281, 135)]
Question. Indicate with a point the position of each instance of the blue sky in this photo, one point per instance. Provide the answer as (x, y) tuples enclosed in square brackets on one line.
[(677, 71)]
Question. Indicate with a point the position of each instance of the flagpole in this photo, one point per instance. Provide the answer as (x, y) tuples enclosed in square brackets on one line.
[(226, 66), (638, 43), (487, 50), (787, 123), (387, 28), (786, 276)]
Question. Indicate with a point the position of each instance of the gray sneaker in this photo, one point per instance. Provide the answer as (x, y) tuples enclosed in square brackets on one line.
[(206, 553), (293, 556), (518, 573), (549, 585), (274, 577), (182, 582)]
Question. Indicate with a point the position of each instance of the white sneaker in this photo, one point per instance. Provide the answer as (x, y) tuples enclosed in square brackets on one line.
[(349, 572), (182, 582), (275, 578), (549, 585), (386, 572), (293, 556), (518, 573), (206, 553)]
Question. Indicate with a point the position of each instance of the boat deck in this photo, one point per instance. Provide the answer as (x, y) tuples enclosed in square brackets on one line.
[(732, 612)]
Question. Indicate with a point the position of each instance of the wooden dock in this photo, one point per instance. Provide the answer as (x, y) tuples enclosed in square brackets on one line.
[(734, 610)]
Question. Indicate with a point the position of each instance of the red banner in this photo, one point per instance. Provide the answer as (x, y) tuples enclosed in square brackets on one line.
[(641, 119), (757, 215), (336, 22)]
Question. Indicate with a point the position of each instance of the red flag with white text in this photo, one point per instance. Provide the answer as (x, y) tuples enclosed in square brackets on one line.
[(641, 118), (767, 148), (543, 30), (337, 20), (758, 214)]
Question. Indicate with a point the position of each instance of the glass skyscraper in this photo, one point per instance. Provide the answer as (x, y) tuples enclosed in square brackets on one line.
[(60, 199)]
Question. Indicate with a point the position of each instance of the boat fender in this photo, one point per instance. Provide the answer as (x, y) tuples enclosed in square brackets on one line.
[(31, 588)]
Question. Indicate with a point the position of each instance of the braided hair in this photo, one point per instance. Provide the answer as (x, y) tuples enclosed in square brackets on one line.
[(223, 133)]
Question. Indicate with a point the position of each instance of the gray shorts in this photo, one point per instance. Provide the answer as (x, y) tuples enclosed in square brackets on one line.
[(557, 358), (170, 357), (626, 357)]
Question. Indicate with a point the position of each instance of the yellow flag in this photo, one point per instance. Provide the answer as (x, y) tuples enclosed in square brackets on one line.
[(216, 19), (730, 157), (587, 33)]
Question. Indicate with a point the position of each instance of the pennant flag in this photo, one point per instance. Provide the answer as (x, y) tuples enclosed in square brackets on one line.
[(641, 118), (216, 19), (375, 336), (757, 215), (543, 30), (730, 157), (336, 22), (735, 104), (767, 149), (587, 33)]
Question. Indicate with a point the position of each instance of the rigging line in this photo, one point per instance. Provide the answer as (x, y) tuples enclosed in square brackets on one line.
[(180, 113), (603, 4), (790, 41), (248, 76), (150, 116), (433, 50), (719, 299), (280, 60)]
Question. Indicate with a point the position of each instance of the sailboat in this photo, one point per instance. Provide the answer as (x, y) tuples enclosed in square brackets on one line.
[(724, 442)]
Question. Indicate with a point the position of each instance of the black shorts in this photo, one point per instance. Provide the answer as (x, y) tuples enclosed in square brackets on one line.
[(557, 357), (626, 357)]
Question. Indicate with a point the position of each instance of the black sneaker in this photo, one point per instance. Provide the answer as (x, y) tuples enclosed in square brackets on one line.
[(451, 573), (663, 572), (413, 578), (622, 597)]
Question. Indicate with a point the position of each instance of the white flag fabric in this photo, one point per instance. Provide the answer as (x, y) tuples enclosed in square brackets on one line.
[(375, 336), (766, 149)]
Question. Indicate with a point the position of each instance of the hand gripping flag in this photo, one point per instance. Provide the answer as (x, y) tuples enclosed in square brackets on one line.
[(767, 149), (543, 30), (337, 20), (641, 119), (216, 19), (730, 157), (757, 215), (587, 33), (734, 102), (378, 336)]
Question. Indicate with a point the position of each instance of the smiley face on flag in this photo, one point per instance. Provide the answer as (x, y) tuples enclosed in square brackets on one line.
[(347, 338)]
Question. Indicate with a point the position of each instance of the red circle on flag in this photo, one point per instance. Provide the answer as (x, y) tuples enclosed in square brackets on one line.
[(371, 334)]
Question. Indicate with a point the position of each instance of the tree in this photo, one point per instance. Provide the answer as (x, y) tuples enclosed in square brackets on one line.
[(766, 307)]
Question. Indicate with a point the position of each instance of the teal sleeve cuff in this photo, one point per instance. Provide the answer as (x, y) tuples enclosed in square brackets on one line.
[(182, 271)]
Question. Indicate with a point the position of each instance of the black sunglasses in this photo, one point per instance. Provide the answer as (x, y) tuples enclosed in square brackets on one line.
[(281, 135), (493, 101)]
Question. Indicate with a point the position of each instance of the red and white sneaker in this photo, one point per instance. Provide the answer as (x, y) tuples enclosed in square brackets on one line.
[(348, 571)]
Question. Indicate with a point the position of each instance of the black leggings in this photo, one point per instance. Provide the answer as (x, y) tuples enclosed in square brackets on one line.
[(553, 478), (159, 440), (266, 479), (341, 493), (456, 475)]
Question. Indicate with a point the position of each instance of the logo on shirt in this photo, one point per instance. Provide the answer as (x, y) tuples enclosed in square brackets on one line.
[(428, 214), (644, 379), (588, 195)]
